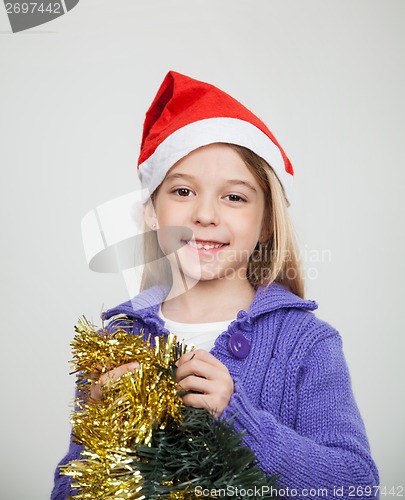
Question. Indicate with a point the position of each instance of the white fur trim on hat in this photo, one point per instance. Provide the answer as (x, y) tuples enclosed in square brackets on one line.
[(211, 130)]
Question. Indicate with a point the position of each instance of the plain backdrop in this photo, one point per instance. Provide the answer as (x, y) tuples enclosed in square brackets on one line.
[(327, 77)]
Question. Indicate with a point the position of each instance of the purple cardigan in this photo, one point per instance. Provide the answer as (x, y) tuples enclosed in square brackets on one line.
[(293, 394)]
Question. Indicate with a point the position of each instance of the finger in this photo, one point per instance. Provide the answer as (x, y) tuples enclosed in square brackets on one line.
[(95, 374), (95, 391), (196, 401), (200, 368), (203, 402), (118, 372), (97, 384), (197, 384), (202, 355)]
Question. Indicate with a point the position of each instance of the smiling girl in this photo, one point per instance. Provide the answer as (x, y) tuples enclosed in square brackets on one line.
[(223, 275)]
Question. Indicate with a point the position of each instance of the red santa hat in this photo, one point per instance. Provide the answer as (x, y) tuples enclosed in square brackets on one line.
[(187, 114)]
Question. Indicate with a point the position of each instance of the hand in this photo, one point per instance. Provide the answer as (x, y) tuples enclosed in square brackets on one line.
[(96, 388), (201, 372)]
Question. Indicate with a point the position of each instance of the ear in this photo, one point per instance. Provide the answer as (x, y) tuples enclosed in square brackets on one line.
[(149, 215)]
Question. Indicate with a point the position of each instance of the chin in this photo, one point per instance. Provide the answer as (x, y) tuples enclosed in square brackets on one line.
[(199, 275)]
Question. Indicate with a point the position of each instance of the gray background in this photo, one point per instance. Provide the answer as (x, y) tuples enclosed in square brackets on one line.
[(328, 79)]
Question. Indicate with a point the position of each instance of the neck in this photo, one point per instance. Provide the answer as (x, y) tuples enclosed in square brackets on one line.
[(208, 301)]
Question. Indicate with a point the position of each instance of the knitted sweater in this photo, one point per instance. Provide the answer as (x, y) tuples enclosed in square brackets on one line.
[(293, 395)]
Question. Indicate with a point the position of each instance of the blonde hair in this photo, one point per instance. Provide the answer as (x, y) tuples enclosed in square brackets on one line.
[(275, 259)]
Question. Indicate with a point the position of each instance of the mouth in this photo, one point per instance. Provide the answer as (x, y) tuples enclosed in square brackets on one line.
[(205, 245)]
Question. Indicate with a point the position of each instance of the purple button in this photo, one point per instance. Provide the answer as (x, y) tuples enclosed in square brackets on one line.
[(239, 345)]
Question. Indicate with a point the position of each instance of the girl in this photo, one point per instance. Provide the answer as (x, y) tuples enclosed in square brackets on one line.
[(223, 274)]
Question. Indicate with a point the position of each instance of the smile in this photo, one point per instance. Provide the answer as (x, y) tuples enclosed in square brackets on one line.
[(205, 245)]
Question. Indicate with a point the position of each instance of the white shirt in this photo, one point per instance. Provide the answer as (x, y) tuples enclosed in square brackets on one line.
[(199, 335)]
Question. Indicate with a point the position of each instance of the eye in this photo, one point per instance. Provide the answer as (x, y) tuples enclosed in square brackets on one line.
[(235, 198), (184, 192)]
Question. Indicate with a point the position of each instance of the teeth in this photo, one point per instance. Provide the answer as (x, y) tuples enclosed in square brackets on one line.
[(205, 246)]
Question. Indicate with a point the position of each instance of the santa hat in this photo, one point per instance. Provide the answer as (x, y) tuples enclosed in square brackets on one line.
[(187, 114)]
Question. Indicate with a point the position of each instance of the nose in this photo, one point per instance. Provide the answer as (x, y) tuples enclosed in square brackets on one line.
[(205, 211)]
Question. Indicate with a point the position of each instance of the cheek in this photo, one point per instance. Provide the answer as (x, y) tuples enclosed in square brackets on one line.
[(170, 213), (171, 238), (250, 222)]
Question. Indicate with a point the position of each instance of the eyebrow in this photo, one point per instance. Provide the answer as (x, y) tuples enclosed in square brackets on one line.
[(229, 182)]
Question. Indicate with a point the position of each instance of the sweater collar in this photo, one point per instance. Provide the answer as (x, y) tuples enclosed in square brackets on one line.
[(145, 304), (276, 296), (267, 299)]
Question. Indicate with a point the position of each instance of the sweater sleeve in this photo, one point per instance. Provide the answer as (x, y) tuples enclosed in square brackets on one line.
[(326, 450), (62, 489)]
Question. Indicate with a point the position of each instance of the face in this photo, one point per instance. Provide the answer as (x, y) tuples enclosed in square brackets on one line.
[(210, 207)]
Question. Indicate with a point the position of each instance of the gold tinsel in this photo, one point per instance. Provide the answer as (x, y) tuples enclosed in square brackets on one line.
[(131, 408)]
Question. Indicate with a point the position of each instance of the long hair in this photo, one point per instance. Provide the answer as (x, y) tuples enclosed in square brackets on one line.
[(276, 258), (273, 260)]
